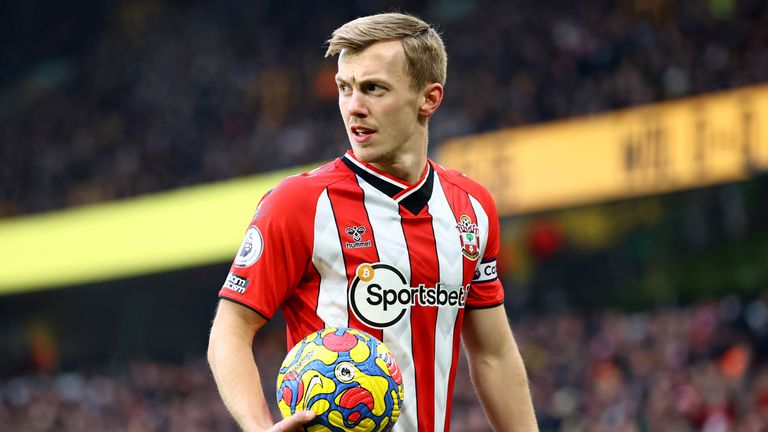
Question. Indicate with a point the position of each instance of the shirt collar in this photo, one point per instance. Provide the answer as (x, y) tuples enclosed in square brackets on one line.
[(414, 197)]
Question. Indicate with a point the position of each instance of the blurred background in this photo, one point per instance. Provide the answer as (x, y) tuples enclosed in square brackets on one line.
[(625, 141)]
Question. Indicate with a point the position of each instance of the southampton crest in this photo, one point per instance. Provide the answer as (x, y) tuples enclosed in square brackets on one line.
[(468, 233)]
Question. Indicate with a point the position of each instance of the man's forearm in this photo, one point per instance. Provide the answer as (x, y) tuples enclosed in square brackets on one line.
[(502, 386), (238, 380)]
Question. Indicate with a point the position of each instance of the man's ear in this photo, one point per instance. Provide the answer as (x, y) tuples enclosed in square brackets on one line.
[(433, 96)]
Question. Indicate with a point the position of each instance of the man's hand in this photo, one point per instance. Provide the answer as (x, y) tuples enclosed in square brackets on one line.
[(294, 423)]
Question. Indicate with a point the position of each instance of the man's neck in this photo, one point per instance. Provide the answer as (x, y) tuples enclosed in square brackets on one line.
[(408, 168)]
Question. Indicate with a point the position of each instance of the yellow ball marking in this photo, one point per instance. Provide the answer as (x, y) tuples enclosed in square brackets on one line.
[(365, 424), (318, 428), (336, 419), (377, 386), (320, 406), (383, 424), (360, 352), (285, 410), (396, 407), (383, 366), (360, 334)]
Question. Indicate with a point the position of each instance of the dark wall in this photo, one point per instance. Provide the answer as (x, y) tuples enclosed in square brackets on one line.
[(666, 250), (164, 317)]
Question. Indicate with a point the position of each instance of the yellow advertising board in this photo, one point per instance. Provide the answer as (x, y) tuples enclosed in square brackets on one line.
[(153, 233), (653, 149), (688, 143)]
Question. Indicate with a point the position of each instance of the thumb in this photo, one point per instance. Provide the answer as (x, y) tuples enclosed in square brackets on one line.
[(294, 422)]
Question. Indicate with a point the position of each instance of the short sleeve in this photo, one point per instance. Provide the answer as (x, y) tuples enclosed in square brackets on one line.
[(273, 255), (486, 289)]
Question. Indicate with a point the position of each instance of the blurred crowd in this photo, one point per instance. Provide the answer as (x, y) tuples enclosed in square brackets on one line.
[(141, 396), (696, 368), (699, 368), (170, 93), (147, 397)]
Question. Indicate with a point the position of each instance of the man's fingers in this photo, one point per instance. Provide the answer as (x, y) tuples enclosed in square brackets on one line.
[(294, 423)]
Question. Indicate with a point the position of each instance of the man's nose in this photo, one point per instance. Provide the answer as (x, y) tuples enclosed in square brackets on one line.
[(356, 106)]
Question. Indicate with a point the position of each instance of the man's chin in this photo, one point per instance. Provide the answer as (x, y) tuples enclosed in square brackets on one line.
[(367, 155)]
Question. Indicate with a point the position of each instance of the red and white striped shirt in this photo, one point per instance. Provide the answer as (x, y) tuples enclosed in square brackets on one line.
[(348, 245)]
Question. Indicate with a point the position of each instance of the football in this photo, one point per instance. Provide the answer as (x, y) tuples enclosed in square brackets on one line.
[(348, 377)]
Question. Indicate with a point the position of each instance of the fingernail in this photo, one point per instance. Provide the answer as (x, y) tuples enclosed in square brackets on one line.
[(310, 414)]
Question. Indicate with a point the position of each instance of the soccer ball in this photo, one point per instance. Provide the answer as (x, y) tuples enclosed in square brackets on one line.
[(348, 377)]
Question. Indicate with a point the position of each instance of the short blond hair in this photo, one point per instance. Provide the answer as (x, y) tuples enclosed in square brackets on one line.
[(425, 56)]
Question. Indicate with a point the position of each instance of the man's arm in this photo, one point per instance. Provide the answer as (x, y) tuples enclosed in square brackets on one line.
[(230, 355), (497, 370)]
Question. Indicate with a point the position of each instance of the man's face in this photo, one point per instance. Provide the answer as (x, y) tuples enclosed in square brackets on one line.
[(379, 106)]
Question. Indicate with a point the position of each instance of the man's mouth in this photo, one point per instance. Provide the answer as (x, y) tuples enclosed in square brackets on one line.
[(361, 131)]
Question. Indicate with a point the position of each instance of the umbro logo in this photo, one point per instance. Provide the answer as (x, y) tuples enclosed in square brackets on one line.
[(356, 232)]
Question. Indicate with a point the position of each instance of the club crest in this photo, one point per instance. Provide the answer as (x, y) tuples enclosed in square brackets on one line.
[(468, 233)]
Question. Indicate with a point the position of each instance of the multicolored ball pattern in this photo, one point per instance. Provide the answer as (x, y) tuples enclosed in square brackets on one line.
[(348, 377)]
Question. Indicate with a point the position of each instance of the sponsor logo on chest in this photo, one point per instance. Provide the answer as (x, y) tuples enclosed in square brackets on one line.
[(380, 296)]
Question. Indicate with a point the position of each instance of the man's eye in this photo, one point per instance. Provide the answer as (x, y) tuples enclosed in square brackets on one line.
[(343, 88)]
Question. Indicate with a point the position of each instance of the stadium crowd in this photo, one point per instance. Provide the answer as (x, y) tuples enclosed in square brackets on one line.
[(176, 93), (696, 368)]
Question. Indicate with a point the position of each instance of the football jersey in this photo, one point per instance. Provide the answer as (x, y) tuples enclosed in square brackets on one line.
[(347, 245)]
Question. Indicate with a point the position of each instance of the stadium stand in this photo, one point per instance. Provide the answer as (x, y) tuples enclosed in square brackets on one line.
[(682, 369), (158, 95)]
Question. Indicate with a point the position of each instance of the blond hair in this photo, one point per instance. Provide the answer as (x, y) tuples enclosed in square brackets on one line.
[(425, 56)]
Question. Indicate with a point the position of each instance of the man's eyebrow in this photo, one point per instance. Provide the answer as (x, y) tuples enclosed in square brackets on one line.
[(375, 79), (366, 80)]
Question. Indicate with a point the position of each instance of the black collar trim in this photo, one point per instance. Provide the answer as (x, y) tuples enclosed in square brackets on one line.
[(413, 199), (384, 184)]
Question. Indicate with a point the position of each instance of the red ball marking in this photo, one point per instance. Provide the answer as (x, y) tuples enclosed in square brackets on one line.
[(300, 396), (354, 417), (394, 369), (337, 343), (287, 393), (356, 396)]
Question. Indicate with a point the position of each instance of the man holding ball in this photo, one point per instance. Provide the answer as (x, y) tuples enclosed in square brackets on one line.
[(381, 239)]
